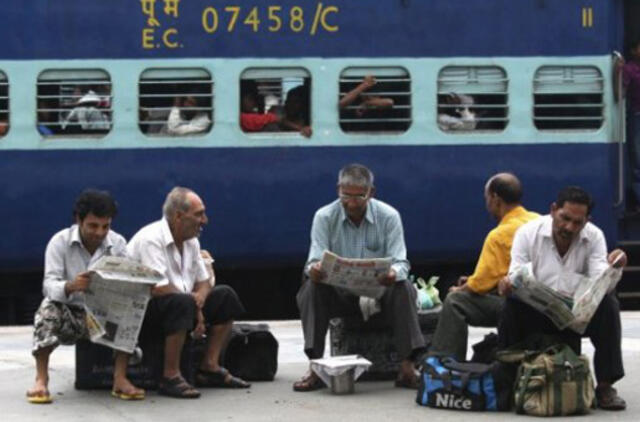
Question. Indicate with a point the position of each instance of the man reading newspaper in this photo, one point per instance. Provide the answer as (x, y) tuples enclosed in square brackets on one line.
[(358, 226), (560, 248), (61, 318)]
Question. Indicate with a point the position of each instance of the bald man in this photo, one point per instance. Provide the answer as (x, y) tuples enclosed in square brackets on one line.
[(474, 300)]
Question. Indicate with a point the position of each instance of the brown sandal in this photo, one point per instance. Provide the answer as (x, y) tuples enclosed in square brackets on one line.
[(309, 382), (177, 387)]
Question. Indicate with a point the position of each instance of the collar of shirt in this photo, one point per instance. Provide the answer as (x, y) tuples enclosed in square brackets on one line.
[(514, 213), (369, 215), (165, 233), (75, 238)]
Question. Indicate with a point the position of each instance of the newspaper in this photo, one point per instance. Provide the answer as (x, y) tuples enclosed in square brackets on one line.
[(573, 312), (589, 295), (116, 301), (358, 276), (336, 365)]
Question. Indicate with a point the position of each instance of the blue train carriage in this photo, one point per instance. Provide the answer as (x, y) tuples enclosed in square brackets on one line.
[(462, 91)]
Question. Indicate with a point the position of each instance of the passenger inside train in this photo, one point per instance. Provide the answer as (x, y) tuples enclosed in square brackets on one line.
[(454, 112)]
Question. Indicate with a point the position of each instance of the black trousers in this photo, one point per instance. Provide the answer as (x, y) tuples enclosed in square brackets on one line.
[(520, 320), (177, 311)]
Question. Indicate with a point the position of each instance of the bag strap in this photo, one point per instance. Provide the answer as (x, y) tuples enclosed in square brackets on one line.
[(523, 381), (445, 377), (472, 368)]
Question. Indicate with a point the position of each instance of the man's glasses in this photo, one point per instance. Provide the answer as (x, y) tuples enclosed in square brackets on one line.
[(346, 196)]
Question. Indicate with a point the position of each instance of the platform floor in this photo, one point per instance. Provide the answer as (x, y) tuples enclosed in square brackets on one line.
[(265, 401)]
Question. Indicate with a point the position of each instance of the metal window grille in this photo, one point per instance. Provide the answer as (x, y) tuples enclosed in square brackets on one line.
[(568, 98), (472, 98), (382, 108), (285, 92), (160, 90), (74, 102), (4, 104)]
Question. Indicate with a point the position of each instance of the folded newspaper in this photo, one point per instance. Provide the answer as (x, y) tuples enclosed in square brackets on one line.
[(573, 312), (116, 301), (358, 276)]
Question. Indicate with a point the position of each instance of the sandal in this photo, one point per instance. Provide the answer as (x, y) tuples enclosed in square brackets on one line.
[(410, 383), (219, 379), (39, 397), (309, 382), (177, 387), (608, 399)]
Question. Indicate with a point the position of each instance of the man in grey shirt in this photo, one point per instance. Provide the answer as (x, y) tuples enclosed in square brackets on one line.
[(60, 319), (358, 226)]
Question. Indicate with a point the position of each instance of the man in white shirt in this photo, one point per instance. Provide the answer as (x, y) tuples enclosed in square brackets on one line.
[(186, 118), (185, 300), (559, 246), (60, 319)]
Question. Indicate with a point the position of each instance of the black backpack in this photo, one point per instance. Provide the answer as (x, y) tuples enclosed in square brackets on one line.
[(252, 352)]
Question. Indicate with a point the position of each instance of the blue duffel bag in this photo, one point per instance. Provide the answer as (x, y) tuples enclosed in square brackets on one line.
[(448, 384)]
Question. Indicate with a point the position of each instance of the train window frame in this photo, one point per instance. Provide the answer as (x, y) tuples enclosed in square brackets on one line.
[(487, 83), (393, 84), (179, 128), (266, 87), (562, 82), (5, 125), (95, 116)]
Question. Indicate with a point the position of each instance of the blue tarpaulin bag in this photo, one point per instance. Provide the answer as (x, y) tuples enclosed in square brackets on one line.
[(448, 384)]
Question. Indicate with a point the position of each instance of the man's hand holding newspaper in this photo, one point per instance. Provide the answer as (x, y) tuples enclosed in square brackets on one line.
[(116, 301), (574, 312), (362, 277)]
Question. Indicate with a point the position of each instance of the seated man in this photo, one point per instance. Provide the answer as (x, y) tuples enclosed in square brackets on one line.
[(456, 113), (557, 245), (186, 119), (475, 300), (358, 226), (60, 319), (185, 301)]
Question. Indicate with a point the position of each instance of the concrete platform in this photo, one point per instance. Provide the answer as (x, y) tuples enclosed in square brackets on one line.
[(266, 401)]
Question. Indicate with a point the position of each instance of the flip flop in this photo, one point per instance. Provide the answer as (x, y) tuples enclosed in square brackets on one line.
[(127, 396), (39, 397)]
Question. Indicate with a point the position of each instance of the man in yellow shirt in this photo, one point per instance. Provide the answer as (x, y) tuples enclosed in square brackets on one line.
[(474, 301)]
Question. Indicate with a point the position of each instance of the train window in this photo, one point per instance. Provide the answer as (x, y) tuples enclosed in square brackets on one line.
[(472, 98), (275, 100), (375, 100), (568, 98), (4, 104), (175, 102), (74, 102)]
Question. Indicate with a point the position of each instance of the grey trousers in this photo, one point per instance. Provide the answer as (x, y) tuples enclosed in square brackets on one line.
[(318, 303), (459, 310)]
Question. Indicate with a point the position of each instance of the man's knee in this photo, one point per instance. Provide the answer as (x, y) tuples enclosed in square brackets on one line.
[(225, 292), (311, 292), (403, 290), (183, 304)]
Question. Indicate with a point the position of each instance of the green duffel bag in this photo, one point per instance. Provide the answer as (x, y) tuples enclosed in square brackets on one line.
[(553, 383)]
